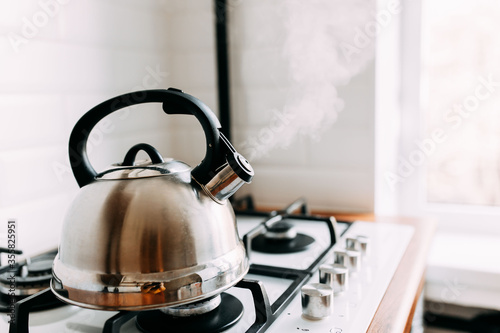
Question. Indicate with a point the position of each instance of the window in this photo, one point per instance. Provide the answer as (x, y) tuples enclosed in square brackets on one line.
[(461, 90), (450, 113)]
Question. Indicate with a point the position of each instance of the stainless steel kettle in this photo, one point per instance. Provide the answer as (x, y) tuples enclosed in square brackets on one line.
[(146, 235)]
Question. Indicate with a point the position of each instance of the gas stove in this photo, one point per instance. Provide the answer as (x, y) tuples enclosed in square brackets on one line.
[(290, 253)]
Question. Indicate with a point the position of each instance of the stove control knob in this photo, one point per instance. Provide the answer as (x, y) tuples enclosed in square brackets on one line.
[(352, 243), (340, 257), (317, 301), (336, 276), (359, 243), (354, 260), (364, 243), (351, 259)]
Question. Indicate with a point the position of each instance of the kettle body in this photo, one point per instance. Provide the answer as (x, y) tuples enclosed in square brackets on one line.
[(151, 234)]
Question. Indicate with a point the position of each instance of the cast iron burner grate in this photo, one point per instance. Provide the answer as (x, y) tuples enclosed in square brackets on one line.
[(266, 313), (30, 277)]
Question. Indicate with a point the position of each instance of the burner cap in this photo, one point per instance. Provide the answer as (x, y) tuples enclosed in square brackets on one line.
[(281, 231), (41, 267), (300, 243), (221, 318), (193, 309)]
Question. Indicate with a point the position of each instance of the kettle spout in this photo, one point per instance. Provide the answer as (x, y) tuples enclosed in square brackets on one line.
[(228, 172), (229, 177)]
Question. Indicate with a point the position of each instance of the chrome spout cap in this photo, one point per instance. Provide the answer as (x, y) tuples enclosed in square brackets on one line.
[(227, 176), (236, 172)]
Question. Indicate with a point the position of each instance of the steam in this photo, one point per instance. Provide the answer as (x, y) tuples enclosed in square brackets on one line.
[(325, 46)]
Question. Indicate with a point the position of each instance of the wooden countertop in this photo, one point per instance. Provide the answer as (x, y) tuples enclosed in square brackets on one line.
[(395, 313)]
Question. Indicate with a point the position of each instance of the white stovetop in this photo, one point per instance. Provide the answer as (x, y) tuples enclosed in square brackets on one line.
[(353, 310)]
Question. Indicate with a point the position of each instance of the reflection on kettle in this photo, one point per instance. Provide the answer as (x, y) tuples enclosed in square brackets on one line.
[(145, 235)]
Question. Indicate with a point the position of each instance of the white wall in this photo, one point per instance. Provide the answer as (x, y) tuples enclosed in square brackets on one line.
[(334, 170), (74, 55), (193, 69), (66, 57), (331, 165)]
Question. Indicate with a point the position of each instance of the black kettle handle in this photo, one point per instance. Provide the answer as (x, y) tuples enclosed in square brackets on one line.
[(174, 102)]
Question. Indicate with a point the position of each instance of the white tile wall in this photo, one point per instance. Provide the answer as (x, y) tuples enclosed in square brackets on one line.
[(325, 188), (89, 51), (193, 59), (334, 171), (77, 54)]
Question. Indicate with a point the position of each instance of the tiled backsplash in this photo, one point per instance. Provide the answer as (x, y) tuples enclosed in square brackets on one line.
[(89, 51), (59, 59), (334, 171), (277, 75)]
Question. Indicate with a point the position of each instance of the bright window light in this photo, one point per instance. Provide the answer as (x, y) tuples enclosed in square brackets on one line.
[(461, 99)]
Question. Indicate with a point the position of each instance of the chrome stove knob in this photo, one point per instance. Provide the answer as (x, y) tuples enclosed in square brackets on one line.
[(317, 301), (340, 257), (351, 259), (359, 243), (352, 243), (336, 276), (364, 243)]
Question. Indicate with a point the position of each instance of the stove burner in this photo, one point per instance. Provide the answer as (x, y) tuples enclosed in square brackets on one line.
[(29, 278), (281, 231), (281, 237), (40, 267), (193, 309), (300, 243), (219, 319)]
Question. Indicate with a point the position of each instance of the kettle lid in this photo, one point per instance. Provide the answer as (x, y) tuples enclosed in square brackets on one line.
[(153, 167)]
